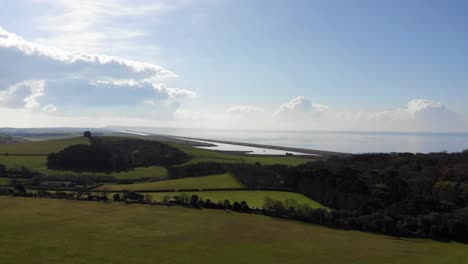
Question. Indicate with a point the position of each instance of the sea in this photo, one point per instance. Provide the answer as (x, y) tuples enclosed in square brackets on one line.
[(338, 141)]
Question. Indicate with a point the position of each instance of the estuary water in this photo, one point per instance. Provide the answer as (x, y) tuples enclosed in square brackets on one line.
[(349, 142)]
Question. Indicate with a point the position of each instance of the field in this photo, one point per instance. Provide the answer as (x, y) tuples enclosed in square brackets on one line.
[(203, 155), (214, 181), (4, 181), (59, 231), (41, 147), (253, 198), (39, 163)]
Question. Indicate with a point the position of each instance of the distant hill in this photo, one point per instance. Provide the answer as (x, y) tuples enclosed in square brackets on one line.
[(34, 134), (7, 139)]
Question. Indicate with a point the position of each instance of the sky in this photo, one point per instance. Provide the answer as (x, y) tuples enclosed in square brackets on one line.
[(304, 65)]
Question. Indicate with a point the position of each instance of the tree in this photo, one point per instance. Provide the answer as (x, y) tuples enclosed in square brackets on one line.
[(134, 196), (116, 197), (104, 197), (244, 206), (3, 170), (166, 198), (20, 188), (227, 204), (148, 197), (236, 206), (194, 201), (87, 134)]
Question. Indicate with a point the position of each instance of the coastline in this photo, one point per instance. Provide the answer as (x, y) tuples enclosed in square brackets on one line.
[(192, 141)]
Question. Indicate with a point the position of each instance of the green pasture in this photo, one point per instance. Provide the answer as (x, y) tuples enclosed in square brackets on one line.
[(39, 164), (41, 147), (60, 231), (253, 198), (5, 181), (214, 181)]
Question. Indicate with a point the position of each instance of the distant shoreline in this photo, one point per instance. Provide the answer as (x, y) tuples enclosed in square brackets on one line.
[(194, 142), (292, 149)]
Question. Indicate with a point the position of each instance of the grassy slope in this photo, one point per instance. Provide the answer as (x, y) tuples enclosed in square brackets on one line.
[(4, 138), (39, 163), (4, 181), (42, 147), (59, 231), (253, 198), (203, 155), (214, 181)]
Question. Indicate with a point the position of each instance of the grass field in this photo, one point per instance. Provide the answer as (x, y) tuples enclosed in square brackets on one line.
[(214, 181), (42, 147), (60, 231), (253, 198), (39, 164), (5, 181), (203, 155)]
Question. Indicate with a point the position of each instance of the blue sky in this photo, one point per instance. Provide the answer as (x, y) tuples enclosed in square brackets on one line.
[(357, 58)]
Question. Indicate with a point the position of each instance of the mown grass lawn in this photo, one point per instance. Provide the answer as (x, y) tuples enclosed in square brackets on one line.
[(225, 180), (204, 155), (60, 231)]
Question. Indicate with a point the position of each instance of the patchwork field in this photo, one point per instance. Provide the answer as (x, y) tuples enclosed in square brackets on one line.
[(4, 181), (39, 163), (253, 198), (214, 181), (60, 231), (41, 147)]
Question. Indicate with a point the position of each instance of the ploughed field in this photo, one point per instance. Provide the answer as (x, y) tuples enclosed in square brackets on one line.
[(63, 231)]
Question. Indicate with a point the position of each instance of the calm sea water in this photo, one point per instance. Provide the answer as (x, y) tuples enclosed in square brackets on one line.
[(350, 142)]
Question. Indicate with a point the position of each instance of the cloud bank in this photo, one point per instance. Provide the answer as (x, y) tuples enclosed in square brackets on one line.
[(41, 86), (300, 113), (417, 115), (64, 25), (38, 77)]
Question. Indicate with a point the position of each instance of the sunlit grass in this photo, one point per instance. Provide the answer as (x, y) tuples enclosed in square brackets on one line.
[(62, 231), (214, 181)]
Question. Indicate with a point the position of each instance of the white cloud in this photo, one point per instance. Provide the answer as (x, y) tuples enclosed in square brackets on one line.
[(245, 116), (244, 110), (420, 105), (24, 94), (300, 104), (173, 93), (300, 113), (417, 115), (23, 60), (50, 108), (67, 80), (66, 27)]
